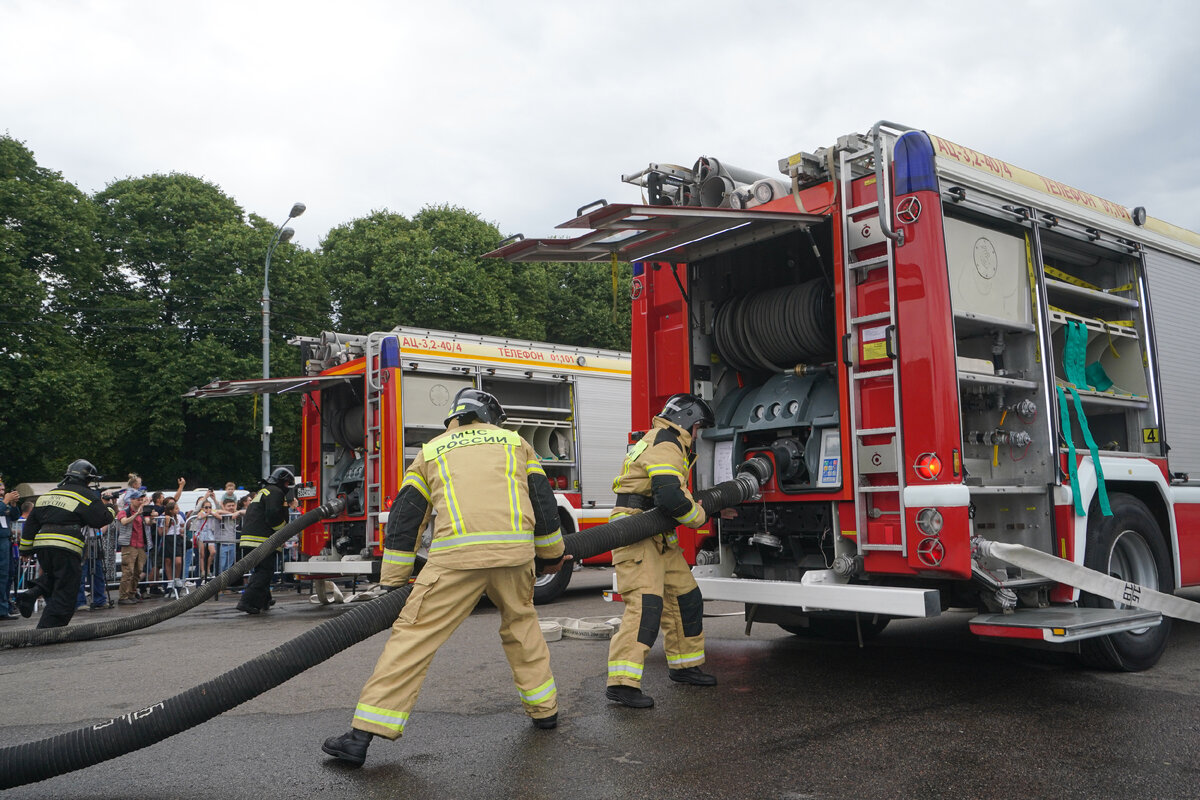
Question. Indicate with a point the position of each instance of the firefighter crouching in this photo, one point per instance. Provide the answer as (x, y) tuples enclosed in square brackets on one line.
[(266, 514), (496, 519), (54, 532), (652, 575)]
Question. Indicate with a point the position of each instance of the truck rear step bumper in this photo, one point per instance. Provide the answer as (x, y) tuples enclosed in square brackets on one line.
[(819, 591), (1063, 624)]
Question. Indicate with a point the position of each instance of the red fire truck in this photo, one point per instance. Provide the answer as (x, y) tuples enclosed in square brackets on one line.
[(371, 401), (938, 351)]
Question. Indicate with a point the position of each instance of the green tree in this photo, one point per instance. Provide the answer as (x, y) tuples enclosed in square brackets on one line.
[(57, 399), (187, 290), (582, 308), (386, 270)]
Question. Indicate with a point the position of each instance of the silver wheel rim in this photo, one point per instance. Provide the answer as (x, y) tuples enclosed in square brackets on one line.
[(1132, 561)]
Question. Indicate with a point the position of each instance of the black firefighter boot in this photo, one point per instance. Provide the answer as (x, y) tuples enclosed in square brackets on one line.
[(692, 675), (629, 696), (350, 747), (26, 601)]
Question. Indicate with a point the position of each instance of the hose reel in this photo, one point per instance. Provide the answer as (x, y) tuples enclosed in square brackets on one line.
[(776, 329)]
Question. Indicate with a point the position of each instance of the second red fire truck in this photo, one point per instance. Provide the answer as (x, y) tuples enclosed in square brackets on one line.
[(371, 401)]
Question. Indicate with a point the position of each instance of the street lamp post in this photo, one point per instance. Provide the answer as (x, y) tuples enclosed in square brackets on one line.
[(282, 234)]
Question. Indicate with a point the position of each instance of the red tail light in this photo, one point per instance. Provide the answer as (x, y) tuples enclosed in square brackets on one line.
[(928, 466)]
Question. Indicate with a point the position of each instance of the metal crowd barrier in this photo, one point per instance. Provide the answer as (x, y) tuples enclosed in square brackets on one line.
[(100, 585)]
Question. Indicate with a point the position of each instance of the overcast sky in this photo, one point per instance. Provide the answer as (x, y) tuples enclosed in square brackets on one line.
[(523, 111)]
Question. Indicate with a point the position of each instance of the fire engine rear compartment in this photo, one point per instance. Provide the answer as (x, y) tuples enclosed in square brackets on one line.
[(775, 388)]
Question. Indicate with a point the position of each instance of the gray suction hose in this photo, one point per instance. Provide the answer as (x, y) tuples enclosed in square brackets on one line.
[(36, 761), (99, 630)]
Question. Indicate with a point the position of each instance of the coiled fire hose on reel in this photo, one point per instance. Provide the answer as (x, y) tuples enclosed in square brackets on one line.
[(67, 752)]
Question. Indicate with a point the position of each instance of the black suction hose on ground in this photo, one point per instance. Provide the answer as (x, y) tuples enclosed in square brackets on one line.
[(36, 761), (98, 630)]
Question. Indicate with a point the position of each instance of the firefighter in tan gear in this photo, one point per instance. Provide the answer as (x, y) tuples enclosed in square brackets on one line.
[(652, 575), (496, 524)]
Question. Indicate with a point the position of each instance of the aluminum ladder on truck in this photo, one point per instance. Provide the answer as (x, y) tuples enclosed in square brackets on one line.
[(372, 471), (880, 458)]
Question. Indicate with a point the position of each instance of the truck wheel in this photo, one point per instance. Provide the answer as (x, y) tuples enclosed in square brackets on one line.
[(548, 588), (1128, 546), (841, 629)]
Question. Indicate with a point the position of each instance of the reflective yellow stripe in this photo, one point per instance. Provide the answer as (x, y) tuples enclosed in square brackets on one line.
[(514, 494), (540, 694), (533, 467), (548, 539), (398, 557), (68, 493), (626, 669), (417, 482), (60, 540), (685, 658), (393, 720), (654, 470), (455, 541), (690, 517), (451, 497)]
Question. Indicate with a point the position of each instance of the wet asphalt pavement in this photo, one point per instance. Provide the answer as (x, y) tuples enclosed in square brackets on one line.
[(924, 711)]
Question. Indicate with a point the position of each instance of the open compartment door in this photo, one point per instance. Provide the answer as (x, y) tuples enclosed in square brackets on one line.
[(267, 386), (676, 234)]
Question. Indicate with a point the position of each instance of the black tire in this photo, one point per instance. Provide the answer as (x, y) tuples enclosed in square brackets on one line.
[(841, 629), (548, 588), (1130, 546)]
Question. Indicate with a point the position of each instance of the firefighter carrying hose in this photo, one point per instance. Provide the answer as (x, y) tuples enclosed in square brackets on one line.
[(496, 524), (54, 532), (652, 575), (267, 513)]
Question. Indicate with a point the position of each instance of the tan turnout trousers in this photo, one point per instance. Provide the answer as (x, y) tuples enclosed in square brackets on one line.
[(651, 568), (441, 599)]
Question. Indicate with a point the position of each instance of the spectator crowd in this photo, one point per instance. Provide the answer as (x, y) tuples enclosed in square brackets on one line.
[(162, 548)]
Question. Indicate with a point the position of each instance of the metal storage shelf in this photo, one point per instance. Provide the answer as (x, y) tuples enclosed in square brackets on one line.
[(547, 410), (513, 422), (983, 379), (1062, 288), (1098, 325), (967, 322), (1092, 398), (999, 489)]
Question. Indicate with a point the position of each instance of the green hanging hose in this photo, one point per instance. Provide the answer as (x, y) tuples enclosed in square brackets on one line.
[(1074, 360)]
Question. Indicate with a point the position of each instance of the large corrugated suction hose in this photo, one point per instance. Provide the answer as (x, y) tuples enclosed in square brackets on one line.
[(36, 761), (67, 752), (98, 630), (627, 530)]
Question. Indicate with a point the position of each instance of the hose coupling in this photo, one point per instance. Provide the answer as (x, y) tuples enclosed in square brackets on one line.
[(758, 468), (333, 507)]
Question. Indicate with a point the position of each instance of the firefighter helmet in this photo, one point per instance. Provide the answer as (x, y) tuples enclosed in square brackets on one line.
[(685, 410), (282, 477), (81, 471), (478, 404)]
